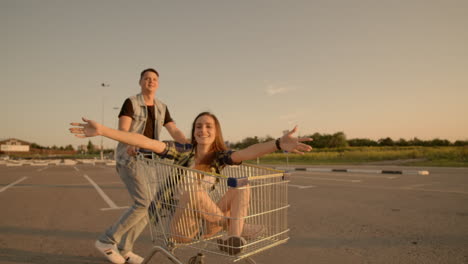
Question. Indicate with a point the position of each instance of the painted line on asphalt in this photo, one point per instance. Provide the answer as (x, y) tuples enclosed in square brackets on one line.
[(411, 190), (13, 184), (435, 190), (41, 169), (327, 179), (351, 175), (118, 208), (302, 186), (112, 205), (417, 186), (424, 172)]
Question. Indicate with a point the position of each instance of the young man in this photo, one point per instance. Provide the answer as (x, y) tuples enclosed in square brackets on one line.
[(143, 114)]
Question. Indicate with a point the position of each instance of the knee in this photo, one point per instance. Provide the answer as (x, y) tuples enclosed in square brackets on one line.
[(242, 193)]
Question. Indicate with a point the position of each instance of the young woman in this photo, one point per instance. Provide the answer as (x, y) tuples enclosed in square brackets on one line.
[(208, 153)]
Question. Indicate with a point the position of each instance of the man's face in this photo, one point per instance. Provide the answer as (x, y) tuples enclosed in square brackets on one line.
[(149, 82)]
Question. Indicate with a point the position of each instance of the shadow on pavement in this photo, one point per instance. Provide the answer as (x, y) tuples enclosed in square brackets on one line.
[(22, 256)]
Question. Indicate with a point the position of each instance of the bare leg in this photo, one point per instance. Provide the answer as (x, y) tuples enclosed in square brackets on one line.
[(198, 204), (193, 205), (236, 204), (184, 223)]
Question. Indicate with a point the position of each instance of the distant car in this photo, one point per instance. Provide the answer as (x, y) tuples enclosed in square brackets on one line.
[(4, 157)]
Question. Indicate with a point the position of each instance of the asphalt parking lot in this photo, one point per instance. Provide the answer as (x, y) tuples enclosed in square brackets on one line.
[(53, 213)]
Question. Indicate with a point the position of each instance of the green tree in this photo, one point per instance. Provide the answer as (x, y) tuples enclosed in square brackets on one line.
[(362, 142), (90, 146), (440, 142), (69, 147), (267, 138), (245, 142), (386, 142), (461, 143), (36, 146), (338, 140), (319, 140), (402, 142)]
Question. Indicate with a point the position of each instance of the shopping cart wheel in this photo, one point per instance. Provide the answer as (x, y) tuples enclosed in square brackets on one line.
[(198, 259)]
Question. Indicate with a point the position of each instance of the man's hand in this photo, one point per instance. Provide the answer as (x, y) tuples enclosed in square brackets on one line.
[(88, 129)]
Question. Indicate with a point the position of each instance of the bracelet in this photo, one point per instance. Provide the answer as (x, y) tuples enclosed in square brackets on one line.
[(277, 143)]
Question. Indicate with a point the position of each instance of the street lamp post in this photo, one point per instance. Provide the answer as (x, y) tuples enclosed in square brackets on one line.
[(102, 117), (116, 127)]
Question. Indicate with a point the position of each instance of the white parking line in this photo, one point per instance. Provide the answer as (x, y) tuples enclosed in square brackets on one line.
[(112, 205), (13, 183), (417, 186), (349, 174), (117, 208), (326, 179), (302, 186)]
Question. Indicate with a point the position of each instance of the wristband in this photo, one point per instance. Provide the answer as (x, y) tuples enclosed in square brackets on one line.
[(277, 143)]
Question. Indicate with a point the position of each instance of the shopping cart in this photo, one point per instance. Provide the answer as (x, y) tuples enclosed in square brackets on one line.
[(174, 191)]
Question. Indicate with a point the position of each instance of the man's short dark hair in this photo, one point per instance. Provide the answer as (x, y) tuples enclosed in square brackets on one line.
[(148, 70)]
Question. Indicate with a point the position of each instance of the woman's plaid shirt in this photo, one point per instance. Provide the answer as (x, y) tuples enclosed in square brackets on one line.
[(184, 155)]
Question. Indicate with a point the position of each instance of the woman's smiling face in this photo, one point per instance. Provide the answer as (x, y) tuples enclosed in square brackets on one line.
[(205, 130)]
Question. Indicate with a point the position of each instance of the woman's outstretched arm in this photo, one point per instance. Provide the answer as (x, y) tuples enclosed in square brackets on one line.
[(92, 128), (287, 142)]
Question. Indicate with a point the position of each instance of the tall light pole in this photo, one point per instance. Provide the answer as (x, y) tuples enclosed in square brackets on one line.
[(116, 127), (102, 116), (116, 108)]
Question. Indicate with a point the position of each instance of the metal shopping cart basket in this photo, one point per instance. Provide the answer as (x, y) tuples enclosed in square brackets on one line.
[(169, 186)]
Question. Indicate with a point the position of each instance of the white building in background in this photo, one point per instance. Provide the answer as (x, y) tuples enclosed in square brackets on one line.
[(14, 145)]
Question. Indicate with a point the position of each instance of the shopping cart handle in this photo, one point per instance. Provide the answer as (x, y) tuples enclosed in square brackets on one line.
[(237, 182)]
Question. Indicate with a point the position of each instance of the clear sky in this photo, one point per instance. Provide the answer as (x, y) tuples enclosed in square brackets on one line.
[(369, 68)]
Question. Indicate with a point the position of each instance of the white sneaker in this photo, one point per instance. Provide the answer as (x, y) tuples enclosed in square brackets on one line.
[(110, 252), (132, 258)]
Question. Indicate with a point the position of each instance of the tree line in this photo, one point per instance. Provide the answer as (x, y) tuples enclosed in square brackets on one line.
[(90, 148), (338, 140), (54, 147)]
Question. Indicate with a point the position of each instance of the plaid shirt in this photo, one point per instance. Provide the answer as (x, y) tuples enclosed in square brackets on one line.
[(184, 155)]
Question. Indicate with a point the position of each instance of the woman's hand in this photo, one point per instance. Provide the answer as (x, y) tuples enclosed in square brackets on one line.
[(293, 144), (88, 129)]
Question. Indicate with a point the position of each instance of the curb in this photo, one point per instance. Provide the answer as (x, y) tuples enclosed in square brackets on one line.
[(424, 172)]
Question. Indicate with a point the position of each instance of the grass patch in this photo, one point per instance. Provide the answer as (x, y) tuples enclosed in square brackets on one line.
[(408, 156)]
